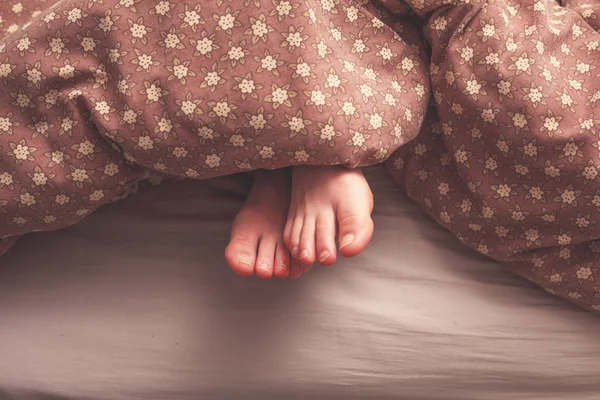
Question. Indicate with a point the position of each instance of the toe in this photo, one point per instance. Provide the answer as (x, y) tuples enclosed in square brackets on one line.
[(240, 254), (325, 238), (306, 253), (296, 270), (265, 261), (287, 231), (294, 239), (281, 267), (355, 229)]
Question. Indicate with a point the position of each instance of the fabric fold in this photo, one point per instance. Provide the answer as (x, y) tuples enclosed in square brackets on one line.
[(94, 94), (508, 158)]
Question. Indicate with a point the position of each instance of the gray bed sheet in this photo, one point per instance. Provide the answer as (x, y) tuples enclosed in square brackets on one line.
[(136, 302)]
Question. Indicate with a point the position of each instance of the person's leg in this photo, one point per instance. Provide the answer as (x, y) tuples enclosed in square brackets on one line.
[(328, 202), (256, 245)]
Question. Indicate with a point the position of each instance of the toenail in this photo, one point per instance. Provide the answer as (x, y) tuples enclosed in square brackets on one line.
[(264, 267), (295, 251), (282, 266), (324, 255), (303, 254), (346, 240), (245, 260)]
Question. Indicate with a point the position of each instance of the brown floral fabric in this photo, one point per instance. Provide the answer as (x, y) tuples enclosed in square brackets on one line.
[(95, 94), (508, 158)]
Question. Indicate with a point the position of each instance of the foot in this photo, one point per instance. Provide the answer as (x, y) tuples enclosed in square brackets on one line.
[(328, 202), (256, 245)]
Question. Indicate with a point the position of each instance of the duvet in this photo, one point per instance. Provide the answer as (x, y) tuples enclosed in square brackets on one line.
[(486, 112)]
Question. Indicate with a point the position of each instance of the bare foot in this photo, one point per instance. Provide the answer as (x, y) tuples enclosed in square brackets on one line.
[(256, 244), (326, 201)]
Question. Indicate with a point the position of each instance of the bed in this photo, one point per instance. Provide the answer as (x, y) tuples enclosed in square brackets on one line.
[(136, 302)]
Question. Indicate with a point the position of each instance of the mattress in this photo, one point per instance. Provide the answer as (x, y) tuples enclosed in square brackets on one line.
[(136, 302)]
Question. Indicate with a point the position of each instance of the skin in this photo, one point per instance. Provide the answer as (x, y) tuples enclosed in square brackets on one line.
[(283, 230), (256, 243), (328, 203)]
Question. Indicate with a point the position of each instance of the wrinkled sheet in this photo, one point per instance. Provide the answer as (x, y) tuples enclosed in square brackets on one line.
[(136, 302), (95, 95)]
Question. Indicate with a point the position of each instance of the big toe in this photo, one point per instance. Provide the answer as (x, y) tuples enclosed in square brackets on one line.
[(282, 261), (355, 229), (240, 254)]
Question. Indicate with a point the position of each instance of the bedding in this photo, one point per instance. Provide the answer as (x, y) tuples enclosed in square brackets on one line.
[(507, 160), (136, 302), (95, 95)]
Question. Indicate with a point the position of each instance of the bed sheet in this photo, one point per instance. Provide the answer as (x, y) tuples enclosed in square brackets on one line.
[(136, 302)]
